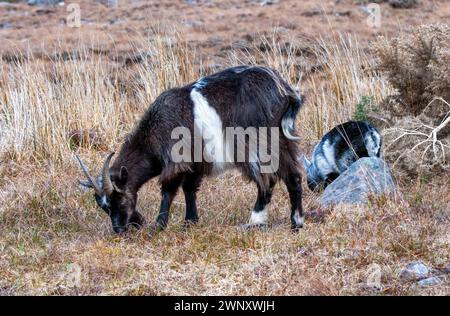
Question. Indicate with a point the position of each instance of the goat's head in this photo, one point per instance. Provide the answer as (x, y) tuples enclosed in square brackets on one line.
[(113, 196), (312, 178)]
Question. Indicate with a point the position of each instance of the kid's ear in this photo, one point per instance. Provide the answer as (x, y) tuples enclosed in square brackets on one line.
[(306, 162), (123, 175)]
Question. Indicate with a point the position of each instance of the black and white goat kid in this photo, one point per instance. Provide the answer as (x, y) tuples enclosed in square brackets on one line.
[(338, 149), (241, 96)]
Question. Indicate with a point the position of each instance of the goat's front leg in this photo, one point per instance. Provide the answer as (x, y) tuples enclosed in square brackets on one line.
[(168, 192), (329, 178), (260, 216), (191, 184)]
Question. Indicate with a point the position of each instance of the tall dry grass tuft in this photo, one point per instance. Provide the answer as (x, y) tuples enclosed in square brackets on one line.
[(273, 52), (342, 76), (45, 103), (167, 61), (41, 102), (347, 76)]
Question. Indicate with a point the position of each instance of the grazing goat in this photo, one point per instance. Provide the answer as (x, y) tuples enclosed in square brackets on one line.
[(338, 149), (240, 97)]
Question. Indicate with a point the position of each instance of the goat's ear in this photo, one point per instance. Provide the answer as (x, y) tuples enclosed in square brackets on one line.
[(123, 175), (306, 162)]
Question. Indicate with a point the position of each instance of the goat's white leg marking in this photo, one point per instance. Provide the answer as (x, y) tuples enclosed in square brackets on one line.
[(259, 218), (209, 124), (299, 220)]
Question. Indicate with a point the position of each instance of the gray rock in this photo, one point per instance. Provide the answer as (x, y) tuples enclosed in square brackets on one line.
[(430, 282), (414, 271), (6, 25), (368, 175)]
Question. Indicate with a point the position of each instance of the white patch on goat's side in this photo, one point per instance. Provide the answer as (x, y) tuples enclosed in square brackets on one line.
[(299, 220), (258, 218), (323, 160), (209, 124), (328, 152)]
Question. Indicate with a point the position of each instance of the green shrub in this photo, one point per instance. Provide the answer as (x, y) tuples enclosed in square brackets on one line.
[(363, 107)]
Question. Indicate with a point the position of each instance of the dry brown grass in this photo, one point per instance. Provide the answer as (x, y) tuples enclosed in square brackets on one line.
[(43, 100), (54, 240)]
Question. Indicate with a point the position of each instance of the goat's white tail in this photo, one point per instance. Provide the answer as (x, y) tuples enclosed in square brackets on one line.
[(288, 119)]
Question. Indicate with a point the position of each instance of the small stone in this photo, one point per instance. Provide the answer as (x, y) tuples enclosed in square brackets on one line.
[(193, 23), (5, 25), (414, 271), (430, 281), (268, 2), (446, 269)]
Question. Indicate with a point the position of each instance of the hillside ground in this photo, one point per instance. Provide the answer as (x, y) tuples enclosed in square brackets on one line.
[(58, 81)]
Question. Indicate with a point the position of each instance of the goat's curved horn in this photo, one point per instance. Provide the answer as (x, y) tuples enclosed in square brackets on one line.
[(108, 187), (88, 176)]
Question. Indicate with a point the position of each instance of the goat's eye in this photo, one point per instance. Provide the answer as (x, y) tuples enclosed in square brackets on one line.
[(103, 202)]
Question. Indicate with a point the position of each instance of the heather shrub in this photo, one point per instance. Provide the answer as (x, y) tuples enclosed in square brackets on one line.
[(417, 65)]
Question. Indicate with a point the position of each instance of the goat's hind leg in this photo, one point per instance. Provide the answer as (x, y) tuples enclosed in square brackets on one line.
[(260, 216), (191, 183), (293, 183)]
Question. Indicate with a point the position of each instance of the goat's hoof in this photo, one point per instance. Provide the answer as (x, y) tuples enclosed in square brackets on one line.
[(296, 228), (189, 223), (255, 226), (155, 229)]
